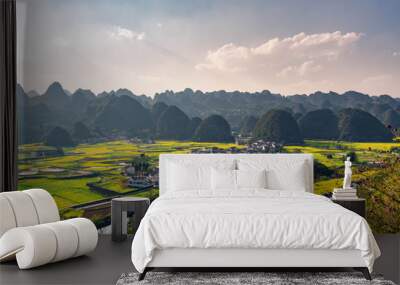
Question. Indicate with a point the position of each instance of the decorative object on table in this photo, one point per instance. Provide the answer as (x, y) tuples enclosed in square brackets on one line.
[(347, 174), (347, 192), (344, 194), (120, 207), (244, 278), (356, 205), (31, 231)]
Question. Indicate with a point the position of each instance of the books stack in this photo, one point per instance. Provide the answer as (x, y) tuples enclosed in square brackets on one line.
[(344, 194)]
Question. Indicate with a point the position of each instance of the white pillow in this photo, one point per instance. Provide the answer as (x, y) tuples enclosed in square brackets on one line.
[(282, 174), (223, 179), (227, 179), (296, 179), (195, 174), (251, 179), (182, 177)]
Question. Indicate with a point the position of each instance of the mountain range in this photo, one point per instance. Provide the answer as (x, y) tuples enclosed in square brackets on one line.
[(236, 105), (122, 110)]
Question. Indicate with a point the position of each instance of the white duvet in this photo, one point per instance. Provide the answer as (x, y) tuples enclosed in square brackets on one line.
[(250, 219)]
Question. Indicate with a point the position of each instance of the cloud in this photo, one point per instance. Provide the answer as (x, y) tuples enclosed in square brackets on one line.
[(396, 53), (298, 55), (121, 33), (227, 58), (377, 79), (306, 68)]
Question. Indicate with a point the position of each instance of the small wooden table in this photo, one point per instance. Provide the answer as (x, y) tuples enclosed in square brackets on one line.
[(357, 205), (119, 215)]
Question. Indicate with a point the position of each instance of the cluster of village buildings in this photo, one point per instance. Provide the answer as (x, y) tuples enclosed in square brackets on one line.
[(140, 179), (150, 178), (259, 146)]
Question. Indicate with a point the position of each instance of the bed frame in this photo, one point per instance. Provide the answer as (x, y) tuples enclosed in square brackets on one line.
[(246, 259), (242, 259)]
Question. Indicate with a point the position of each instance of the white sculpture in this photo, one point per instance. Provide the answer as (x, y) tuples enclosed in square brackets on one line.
[(347, 174)]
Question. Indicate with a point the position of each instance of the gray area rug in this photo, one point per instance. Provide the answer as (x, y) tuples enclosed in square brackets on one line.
[(228, 278)]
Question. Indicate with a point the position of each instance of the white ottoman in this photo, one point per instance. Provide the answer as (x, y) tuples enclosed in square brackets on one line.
[(35, 244)]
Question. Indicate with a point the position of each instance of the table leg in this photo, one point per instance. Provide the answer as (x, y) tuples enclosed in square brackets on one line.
[(116, 222), (124, 221), (139, 212)]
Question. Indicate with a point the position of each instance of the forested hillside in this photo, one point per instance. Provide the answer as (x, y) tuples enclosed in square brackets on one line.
[(382, 191)]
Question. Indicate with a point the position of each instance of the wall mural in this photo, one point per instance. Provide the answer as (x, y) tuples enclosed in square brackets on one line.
[(105, 88)]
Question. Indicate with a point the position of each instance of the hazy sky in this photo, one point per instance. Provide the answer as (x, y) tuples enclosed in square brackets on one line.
[(148, 46)]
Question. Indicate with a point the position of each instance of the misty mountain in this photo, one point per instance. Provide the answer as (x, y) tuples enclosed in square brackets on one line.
[(59, 137), (54, 97), (124, 114), (32, 93), (234, 106), (123, 111), (247, 125), (391, 118), (157, 109), (278, 125), (173, 124), (142, 99), (214, 129), (319, 124), (194, 124), (79, 102), (33, 118), (358, 126)]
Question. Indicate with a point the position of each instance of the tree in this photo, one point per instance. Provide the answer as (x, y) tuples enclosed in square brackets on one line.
[(279, 126), (141, 163), (214, 129), (59, 137), (352, 155)]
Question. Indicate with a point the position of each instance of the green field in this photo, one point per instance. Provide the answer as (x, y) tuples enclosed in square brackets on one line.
[(104, 160), (66, 176)]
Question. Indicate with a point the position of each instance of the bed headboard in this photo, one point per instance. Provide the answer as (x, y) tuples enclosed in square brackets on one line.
[(165, 158)]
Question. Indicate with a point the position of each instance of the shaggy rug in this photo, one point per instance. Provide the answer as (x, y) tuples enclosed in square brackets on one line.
[(242, 278)]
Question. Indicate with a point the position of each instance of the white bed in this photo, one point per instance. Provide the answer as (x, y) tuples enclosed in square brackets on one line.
[(250, 227)]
